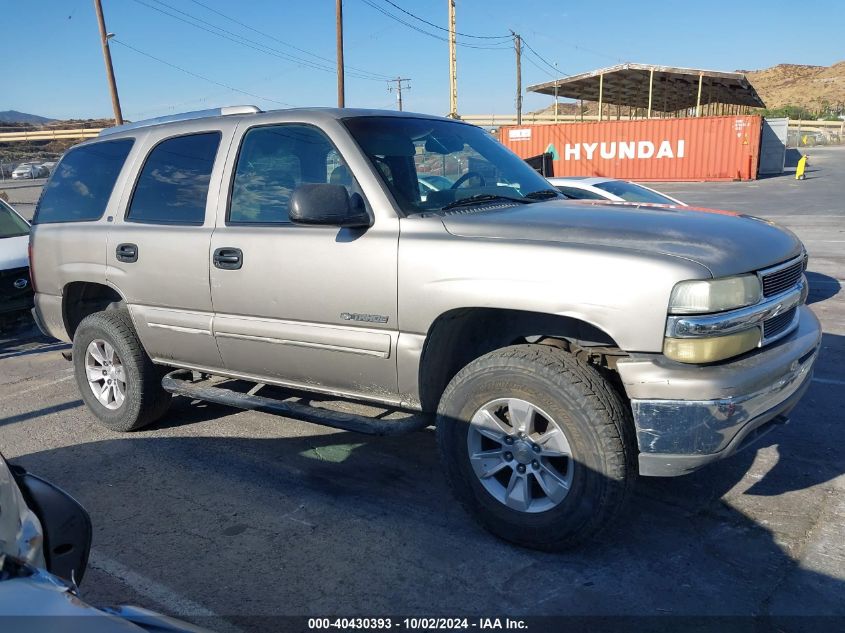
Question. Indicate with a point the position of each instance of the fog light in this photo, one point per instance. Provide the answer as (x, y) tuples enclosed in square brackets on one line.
[(711, 349)]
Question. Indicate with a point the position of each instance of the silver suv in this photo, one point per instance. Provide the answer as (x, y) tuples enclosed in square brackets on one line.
[(560, 346)]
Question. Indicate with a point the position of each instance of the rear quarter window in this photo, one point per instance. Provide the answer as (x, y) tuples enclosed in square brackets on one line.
[(82, 183)]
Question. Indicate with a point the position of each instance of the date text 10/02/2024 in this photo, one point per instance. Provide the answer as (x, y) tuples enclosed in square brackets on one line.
[(416, 623)]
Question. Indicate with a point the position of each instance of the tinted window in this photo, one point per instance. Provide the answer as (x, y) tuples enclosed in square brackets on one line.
[(574, 193), (82, 183), (275, 160), (633, 193), (173, 186), (11, 224), (405, 149)]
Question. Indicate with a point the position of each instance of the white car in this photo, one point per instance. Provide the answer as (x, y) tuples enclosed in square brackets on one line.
[(48, 167), (432, 182), (15, 288), (597, 188), (27, 170)]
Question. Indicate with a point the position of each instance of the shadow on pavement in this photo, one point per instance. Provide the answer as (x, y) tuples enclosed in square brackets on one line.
[(332, 522), (822, 287), (29, 415)]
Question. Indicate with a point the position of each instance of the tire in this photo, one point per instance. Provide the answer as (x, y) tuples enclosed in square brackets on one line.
[(565, 393), (143, 399)]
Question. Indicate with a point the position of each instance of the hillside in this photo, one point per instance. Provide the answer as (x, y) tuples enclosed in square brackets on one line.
[(20, 151), (13, 116), (813, 87)]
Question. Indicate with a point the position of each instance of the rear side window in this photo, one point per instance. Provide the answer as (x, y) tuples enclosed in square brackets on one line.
[(173, 186), (633, 193), (82, 183), (574, 193)]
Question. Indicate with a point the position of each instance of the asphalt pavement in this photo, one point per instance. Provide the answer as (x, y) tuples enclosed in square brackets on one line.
[(221, 516), (23, 194)]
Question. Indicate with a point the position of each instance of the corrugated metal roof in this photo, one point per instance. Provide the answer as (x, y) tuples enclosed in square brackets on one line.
[(674, 88)]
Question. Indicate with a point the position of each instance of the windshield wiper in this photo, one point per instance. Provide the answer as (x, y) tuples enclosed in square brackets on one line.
[(479, 198), (543, 194)]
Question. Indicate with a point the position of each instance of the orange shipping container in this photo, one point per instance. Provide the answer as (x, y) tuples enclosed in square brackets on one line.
[(705, 148)]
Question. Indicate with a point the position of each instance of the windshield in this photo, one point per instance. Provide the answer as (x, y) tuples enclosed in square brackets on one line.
[(11, 224), (406, 150), (630, 192)]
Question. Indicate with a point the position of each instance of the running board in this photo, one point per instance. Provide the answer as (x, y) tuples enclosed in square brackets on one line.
[(318, 415)]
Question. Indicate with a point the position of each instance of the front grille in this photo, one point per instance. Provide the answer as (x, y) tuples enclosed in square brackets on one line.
[(777, 325), (783, 279)]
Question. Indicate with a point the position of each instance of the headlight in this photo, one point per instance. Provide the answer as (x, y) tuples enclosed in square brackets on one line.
[(711, 349), (715, 295)]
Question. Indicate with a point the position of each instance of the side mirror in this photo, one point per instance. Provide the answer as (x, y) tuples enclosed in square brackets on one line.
[(328, 205), (65, 523)]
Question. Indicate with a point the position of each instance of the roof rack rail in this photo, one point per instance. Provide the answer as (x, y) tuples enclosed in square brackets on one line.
[(184, 116)]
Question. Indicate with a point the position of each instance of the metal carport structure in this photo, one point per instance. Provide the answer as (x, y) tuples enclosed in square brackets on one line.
[(663, 89)]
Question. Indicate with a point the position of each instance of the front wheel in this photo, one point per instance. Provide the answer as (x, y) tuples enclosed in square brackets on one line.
[(116, 378), (533, 444)]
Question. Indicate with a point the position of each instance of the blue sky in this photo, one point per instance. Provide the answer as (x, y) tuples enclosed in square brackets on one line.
[(58, 40)]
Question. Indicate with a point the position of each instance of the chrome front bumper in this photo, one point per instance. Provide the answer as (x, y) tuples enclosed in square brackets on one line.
[(687, 416)]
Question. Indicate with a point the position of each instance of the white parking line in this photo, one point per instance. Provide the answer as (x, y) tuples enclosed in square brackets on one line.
[(829, 381), (169, 601)]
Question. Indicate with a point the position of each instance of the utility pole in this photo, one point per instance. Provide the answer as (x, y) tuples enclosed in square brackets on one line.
[(399, 88), (104, 39), (517, 43), (556, 77), (341, 92), (453, 63)]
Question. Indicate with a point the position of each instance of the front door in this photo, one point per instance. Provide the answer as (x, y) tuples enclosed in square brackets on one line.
[(311, 307)]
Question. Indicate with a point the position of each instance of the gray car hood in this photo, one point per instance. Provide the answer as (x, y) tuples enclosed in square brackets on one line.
[(725, 242)]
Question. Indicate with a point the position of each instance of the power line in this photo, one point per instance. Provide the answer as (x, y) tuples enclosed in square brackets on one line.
[(441, 28), (543, 59), (505, 46), (198, 76), (269, 50), (243, 41), (540, 68), (284, 43)]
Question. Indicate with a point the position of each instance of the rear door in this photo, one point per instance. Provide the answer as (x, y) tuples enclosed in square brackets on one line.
[(309, 306), (158, 250)]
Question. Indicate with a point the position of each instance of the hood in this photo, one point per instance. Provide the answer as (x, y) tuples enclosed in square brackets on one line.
[(14, 252), (725, 242)]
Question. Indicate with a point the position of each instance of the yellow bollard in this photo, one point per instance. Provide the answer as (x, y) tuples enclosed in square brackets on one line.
[(802, 165)]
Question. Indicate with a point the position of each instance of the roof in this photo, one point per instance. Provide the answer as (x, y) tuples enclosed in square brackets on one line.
[(252, 112), (673, 89)]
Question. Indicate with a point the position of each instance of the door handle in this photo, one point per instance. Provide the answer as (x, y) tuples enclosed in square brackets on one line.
[(127, 253), (228, 258)]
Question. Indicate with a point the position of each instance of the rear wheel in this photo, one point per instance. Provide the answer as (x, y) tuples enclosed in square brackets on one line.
[(533, 445), (116, 378)]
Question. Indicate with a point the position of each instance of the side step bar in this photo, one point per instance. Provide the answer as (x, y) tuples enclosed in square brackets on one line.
[(173, 383)]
